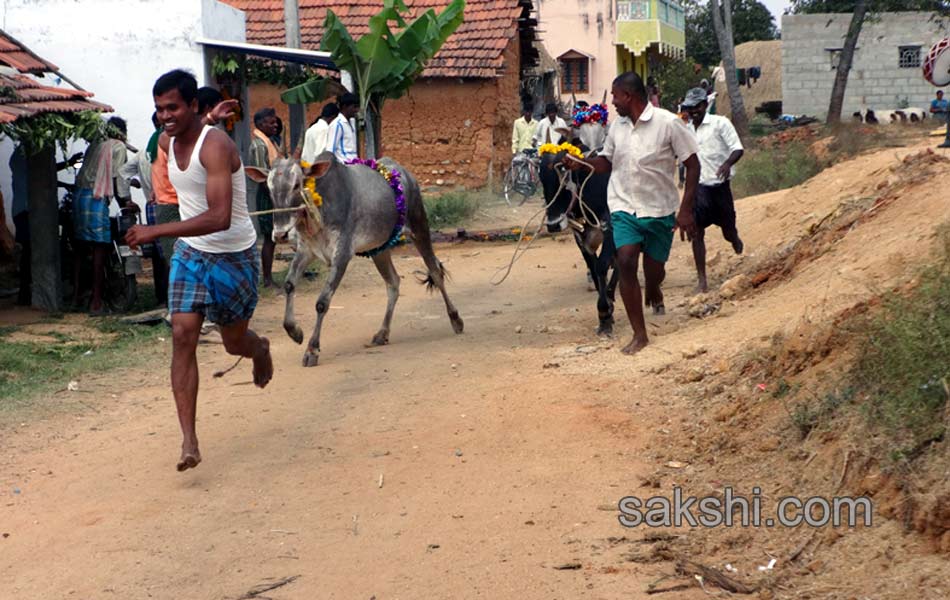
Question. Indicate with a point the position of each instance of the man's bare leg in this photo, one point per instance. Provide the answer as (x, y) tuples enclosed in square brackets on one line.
[(699, 256), (628, 258), (654, 273), (185, 330), (241, 341)]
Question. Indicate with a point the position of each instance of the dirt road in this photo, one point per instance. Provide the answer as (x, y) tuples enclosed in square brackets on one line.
[(440, 466)]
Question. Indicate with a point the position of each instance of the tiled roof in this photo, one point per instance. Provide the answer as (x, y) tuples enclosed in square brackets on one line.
[(474, 50), (23, 96)]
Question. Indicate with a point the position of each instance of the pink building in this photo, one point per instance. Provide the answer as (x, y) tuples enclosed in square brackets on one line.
[(595, 40)]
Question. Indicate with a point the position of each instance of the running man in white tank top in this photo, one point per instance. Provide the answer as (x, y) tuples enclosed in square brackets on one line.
[(214, 268)]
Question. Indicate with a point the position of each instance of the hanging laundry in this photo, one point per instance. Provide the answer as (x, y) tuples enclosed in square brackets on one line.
[(755, 73)]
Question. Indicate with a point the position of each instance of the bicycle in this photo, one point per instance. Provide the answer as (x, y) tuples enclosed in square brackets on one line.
[(522, 176)]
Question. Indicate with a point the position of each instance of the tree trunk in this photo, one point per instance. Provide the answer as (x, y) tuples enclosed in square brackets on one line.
[(845, 61), (44, 231), (373, 126), (728, 51)]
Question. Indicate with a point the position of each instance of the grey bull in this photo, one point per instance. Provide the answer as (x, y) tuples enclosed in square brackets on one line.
[(357, 214)]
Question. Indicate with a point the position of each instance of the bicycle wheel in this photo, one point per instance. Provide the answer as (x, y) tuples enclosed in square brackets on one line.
[(508, 186)]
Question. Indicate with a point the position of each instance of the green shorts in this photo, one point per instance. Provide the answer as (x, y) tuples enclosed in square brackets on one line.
[(653, 234)]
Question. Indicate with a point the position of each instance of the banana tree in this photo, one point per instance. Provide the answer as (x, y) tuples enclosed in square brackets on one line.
[(384, 63)]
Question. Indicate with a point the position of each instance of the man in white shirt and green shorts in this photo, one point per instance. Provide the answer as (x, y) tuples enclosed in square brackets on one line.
[(640, 154)]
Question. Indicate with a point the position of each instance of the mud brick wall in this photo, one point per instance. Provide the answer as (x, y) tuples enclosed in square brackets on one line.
[(452, 132), (449, 132)]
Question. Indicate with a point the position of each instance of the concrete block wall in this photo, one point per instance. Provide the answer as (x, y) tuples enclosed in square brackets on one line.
[(876, 81)]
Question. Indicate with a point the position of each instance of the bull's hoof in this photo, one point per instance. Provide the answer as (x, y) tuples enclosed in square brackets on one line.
[(381, 338), (458, 325), (606, 330), (295, 333), (310, 359)]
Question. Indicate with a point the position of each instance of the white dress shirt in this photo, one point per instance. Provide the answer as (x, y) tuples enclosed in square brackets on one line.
[(315, 141), (717, 140), (341, 140), (546, 128), (643, 159)]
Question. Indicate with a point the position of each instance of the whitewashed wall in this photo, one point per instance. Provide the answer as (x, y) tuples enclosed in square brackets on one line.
[(116, 49)]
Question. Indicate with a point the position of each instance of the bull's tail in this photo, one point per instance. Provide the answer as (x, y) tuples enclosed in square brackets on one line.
[(429, 281)]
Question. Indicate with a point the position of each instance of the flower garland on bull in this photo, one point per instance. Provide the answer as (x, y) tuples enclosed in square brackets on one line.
[(312, 199), (597, 113), (394, 179), (558, 148)]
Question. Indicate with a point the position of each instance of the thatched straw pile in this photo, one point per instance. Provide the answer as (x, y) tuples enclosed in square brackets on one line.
[(768, 56)]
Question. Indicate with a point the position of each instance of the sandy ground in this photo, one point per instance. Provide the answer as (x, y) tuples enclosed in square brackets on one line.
[(440, 466)]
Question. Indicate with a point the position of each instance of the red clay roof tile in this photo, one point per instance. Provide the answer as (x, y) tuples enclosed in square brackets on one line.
[(475, 49)]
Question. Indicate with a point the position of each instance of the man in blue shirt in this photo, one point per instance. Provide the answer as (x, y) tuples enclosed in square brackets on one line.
[(940, 109)]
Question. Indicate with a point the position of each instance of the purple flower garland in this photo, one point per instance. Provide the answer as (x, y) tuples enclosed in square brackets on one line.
[(394, 179)]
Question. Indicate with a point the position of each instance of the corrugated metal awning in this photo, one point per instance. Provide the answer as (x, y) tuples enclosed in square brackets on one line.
[(293, 55)]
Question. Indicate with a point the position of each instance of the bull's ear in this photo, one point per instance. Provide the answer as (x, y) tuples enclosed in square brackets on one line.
[(257, 174), (318, 169)]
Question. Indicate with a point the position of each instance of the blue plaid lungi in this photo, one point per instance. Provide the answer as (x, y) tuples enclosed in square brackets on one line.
[(91, 218), (222, 287)]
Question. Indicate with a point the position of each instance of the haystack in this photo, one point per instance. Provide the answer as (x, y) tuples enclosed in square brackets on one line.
[(768, 56)]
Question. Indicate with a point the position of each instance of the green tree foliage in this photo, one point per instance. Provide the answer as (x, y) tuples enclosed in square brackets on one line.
[(751, 21), (674, 78), (49, 130)]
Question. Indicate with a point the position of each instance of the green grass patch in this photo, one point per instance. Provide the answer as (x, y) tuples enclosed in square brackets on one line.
[(451, 209), (904, 363), (764, 170), (32, 368)]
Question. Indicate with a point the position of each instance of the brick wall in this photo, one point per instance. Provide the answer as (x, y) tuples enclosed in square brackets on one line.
[(448, 132), (875, 80)]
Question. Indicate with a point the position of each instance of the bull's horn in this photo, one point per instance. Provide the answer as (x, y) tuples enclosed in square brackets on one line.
[(604, 101)]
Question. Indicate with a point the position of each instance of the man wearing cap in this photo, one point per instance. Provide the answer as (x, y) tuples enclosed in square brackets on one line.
[(719, 150), (640, 154), (550, 128)]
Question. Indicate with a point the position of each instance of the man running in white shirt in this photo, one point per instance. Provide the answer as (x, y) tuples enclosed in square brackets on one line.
[(719, 150)]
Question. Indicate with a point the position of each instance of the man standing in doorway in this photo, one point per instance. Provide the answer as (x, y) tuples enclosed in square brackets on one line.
[(549, 129), (640, 154), (719, 150), (342, 138), (214, 265), (263, 153)]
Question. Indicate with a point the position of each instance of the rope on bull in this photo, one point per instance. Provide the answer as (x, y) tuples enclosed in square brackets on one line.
[(519, 252)]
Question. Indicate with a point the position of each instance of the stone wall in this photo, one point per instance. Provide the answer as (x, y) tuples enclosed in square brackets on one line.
[(876, 81)]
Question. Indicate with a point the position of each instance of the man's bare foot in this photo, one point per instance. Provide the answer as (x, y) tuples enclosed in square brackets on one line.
[(701, 288), (263, 365), (190, 459), (635, 346)]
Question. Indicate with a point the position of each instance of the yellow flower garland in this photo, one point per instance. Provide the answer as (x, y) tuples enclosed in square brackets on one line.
[(557, 149)]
